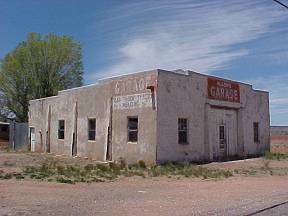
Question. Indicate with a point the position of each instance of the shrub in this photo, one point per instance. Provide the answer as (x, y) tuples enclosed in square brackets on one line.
[(122, 163), (141, 164), (275, 156), (65, 180)]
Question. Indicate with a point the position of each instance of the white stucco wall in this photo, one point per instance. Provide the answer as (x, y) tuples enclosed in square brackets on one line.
[(185, 96), (173, 96)]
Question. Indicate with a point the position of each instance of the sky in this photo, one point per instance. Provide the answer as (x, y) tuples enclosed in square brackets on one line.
[(241, 40)]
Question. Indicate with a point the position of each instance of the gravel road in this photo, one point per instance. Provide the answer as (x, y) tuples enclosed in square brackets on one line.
[(151, 196)]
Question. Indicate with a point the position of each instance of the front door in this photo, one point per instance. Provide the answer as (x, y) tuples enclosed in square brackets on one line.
[(47, 142), (74, 145), (222, 125), (32, 139)]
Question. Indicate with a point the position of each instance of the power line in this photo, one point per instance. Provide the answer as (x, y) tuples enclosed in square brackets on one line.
[(281, 4)]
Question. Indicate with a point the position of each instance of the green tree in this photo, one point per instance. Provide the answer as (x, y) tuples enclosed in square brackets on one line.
[(38, 67)]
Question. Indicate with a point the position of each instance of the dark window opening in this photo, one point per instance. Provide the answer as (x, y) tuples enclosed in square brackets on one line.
[(61, 129), (221, 132), (132, 129), (4, 129), (182, 131), (91, 129), (256, 131)]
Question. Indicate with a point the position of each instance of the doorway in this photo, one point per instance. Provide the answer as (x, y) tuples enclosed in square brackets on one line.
[(222, 141), (48, 131), (223, 133), (74, 145), (47, 142), (32, 139)]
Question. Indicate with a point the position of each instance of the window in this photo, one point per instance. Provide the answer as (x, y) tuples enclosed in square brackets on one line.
[(256, 131), (61, 129), (91, 129), (182, 131), (4, 129), (221, 132), (132, 129)]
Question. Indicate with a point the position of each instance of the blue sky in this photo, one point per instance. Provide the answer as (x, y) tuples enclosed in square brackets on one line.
[(240, 39)]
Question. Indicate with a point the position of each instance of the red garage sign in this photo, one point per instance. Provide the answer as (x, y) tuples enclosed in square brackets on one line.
[(223, 90)]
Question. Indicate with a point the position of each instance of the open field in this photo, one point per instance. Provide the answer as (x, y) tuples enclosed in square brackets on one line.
[(279, 143), (231, 188)]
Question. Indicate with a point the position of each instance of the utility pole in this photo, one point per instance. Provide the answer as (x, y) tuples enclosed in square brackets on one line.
[(281, 3)]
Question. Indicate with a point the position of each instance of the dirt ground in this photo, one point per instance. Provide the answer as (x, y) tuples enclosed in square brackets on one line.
[(279, 143), (137, 196), (3, 144), (246, 193)]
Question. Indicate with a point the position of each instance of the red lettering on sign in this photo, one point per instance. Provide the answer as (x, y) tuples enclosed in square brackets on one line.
[(223, 90)]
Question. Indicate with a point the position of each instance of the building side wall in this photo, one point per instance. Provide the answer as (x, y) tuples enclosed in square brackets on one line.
[(180, 96), (80, 104), (185, 96), (133, 97), (256, 109), (76, 106)]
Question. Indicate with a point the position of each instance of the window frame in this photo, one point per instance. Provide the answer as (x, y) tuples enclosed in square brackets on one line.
[(185, 130), (256, 132), (129, 130), (91, 130), (60, 130)]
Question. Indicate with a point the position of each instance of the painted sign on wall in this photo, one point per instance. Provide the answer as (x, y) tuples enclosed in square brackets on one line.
[(137, 84), (223, 90), (132, 101)]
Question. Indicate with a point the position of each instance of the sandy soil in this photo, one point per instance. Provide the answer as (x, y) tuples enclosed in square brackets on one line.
[(279, 143), (137, 196)]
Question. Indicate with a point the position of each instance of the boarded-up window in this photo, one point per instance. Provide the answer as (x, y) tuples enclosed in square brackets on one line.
[(256, 131), (132, 129), (91, 129), (61, 129), (182, 131)]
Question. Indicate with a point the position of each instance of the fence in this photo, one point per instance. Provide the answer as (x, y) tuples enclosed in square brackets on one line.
[(18, 135)]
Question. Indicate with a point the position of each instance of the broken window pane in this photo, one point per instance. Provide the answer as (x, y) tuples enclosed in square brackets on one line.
[(132, 129)]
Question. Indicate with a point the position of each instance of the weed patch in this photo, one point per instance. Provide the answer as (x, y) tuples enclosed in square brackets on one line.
[(188, 170), (275, 156)]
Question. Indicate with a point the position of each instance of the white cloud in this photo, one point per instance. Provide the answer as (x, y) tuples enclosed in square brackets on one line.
[(188, 34), (277, 86)]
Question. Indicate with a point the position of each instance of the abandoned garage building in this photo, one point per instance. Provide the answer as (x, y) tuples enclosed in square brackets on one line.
[(155, 116)]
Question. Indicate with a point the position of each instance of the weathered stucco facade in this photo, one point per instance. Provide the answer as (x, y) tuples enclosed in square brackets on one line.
[(155, 116)]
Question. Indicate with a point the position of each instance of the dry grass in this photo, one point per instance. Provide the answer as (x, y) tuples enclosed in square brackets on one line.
[(275, 156), (71, 170), (53, 171)]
